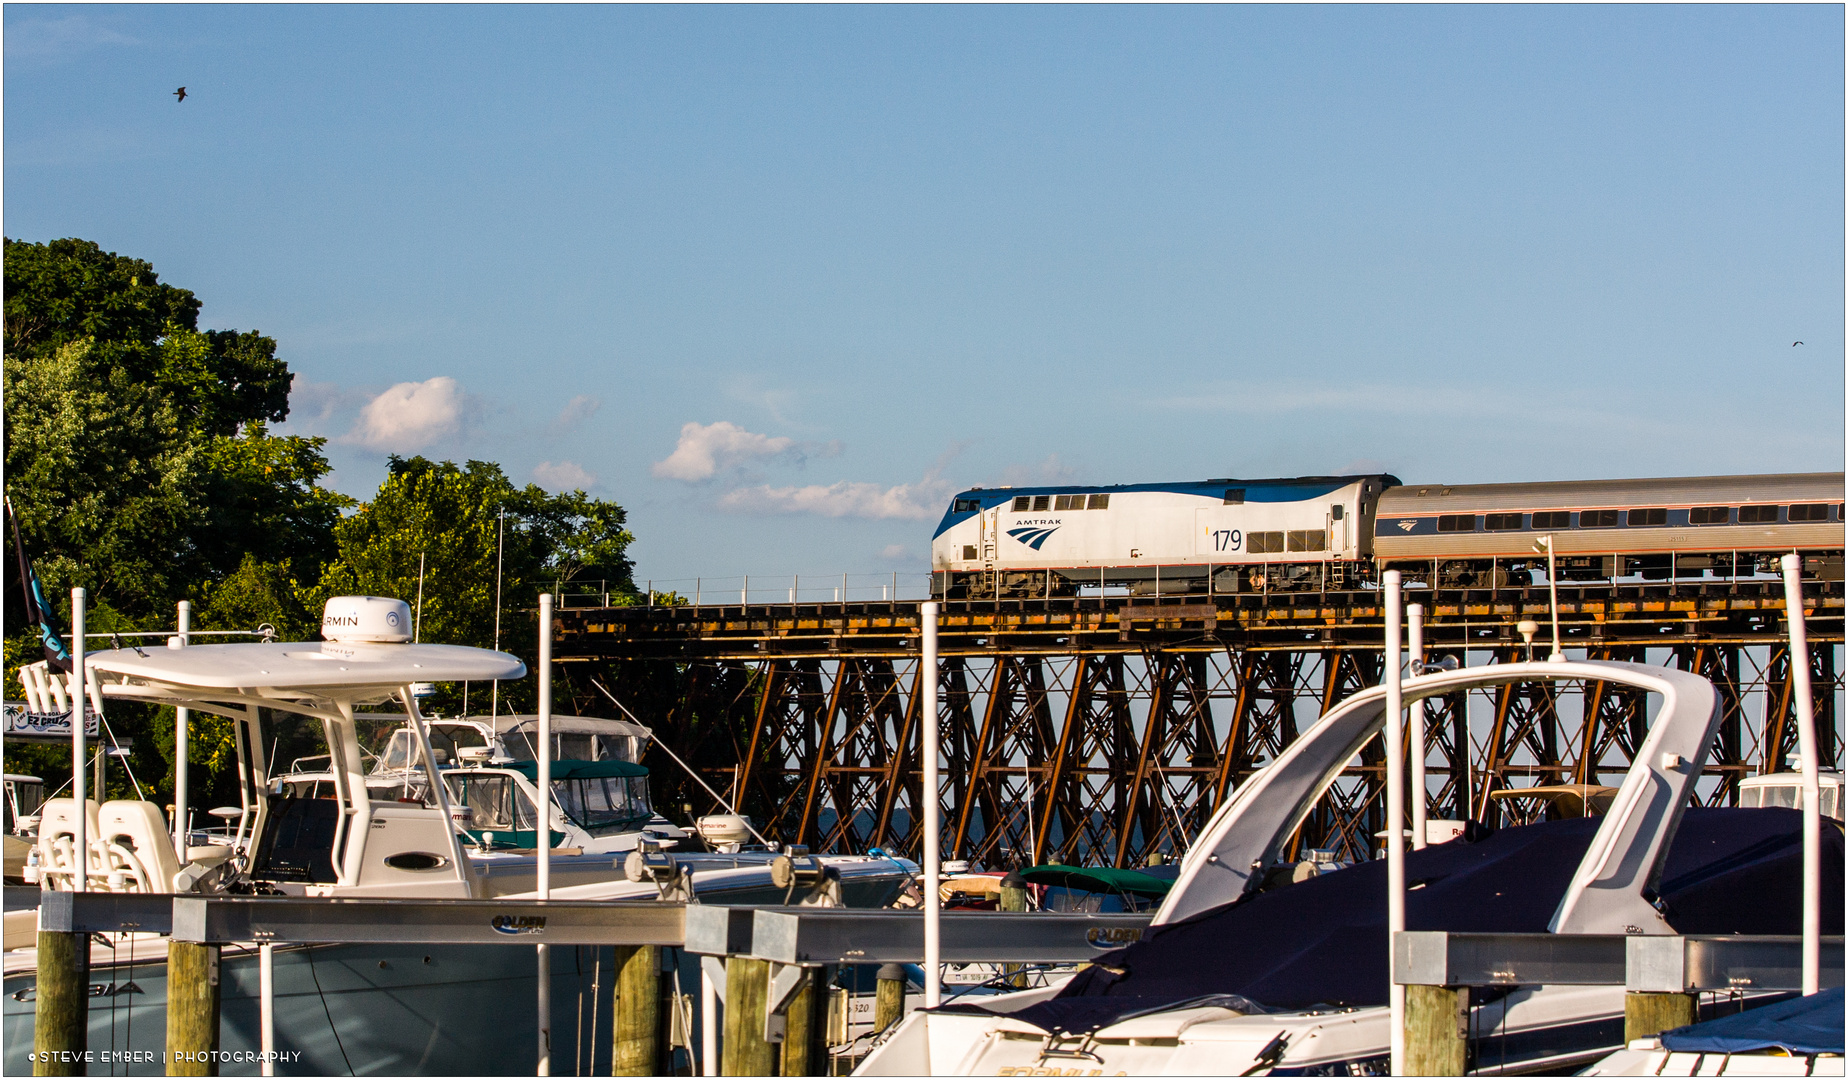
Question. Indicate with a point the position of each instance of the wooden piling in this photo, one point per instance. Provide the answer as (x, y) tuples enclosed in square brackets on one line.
[(747, 992), (1014, 898), (61, 1016), (192, 1009), (638, 1046), (889, 996), (1648, 1014), (805, 1042), (1436, 1030)]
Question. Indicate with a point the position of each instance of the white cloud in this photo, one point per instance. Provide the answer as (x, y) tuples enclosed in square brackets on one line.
[(704, 449), (914, 502), (58, 39), (411, 416), (1049, 471), (895, 553), (563, 476), (575, 412), (313, 404)]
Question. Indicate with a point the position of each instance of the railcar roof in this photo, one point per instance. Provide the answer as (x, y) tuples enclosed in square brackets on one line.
[(1681, 490), (1179, 487)]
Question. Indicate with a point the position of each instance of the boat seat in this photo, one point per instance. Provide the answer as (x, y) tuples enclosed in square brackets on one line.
[(134, 851), (57, 837)]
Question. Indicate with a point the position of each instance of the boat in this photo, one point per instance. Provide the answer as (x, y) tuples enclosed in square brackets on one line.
[(1252, 968), (1797, 1037), (406, 827)]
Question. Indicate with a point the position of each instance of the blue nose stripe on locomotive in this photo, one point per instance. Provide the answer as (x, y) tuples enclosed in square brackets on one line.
[(1033, 538)]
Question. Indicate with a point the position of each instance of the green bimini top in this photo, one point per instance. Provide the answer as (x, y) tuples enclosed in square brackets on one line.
[(1101, 879), (580, 770)]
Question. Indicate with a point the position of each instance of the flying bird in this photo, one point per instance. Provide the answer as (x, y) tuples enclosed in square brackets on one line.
[(1794, 344), (180, 93)]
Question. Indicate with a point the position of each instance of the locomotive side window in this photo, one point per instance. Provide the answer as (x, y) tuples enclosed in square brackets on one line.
[(1456, 523), (1263, 543), (1709, 515), (1022, 502), (1042, 502), (1234, 496), (1597, 519), (1493, 522), (1308, 539), (1756, 514), (964, 506), (1653, 515), (969, 551), (1064, 502), (1100, 502), (1809, 512), (1553, 519)]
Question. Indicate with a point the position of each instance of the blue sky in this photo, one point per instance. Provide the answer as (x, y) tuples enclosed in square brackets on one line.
[(779, 280)]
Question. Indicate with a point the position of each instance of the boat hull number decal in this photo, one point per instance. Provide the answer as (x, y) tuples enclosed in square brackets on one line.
[(518, 924)]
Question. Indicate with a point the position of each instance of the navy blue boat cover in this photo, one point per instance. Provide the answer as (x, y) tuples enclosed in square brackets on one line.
[(1805, 1025), (1323, 941)]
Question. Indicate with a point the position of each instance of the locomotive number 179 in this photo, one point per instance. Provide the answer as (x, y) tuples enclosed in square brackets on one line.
[(1227, 539)]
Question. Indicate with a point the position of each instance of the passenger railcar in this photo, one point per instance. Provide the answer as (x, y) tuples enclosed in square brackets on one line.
[(1332, 532), (1680, 527)]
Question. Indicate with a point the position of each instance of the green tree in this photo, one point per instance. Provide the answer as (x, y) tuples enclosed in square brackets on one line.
[(451, 516)]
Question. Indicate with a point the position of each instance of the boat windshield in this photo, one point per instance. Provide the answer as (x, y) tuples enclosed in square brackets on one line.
[(567, 746), (450, 739), (495, 802), (602, 803)]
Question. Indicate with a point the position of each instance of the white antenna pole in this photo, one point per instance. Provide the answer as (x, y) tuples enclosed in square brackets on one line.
[(1557, 656), (182, 812), (1395, 811), (500, 551), (1414, 617), (1811, 764), (543, 839), (933, 857), (80, 758), (417, 630)]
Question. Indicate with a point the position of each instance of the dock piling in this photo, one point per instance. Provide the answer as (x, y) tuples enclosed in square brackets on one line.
[(889, 996), (1646, 1013), (192, 1008), (805, 1042), (1436, 1030), (747, 992), (61, 1017), (637, 1050)]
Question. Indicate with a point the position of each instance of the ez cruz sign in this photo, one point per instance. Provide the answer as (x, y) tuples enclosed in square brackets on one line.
[(518, 924)]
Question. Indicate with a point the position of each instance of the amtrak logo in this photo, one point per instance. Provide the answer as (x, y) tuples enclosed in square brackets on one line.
[(1407, 525), (1033, 537)]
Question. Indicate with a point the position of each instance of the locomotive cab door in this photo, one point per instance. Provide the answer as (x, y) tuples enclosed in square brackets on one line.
[(991, 536), (1337, 531)]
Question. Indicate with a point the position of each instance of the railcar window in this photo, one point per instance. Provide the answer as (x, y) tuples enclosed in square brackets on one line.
[(1493, 522), (1709, 515), (1263, 543), (1755, 514), (968, 551), (1064, 502), (964, 506), (1100, 502), (1022, 502), (1337, 511), (1652, 515), (1809, 512), (1308, 540), (1553, 519), (1234, 496), (1042, 502), (1456, 523), (1597, 519)]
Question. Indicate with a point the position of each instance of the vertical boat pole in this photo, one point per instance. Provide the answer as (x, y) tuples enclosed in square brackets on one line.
[(933, 857), (708, 1024), (266, 1003), (542, 838), (1395, 811), (1811, 764), (1414, 618), (181, 717), (80, 753)]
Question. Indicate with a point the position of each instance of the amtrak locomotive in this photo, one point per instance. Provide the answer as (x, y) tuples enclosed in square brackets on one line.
[(1339, 532)]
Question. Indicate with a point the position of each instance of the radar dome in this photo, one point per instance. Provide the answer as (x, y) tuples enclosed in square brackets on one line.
[(366, 618)]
